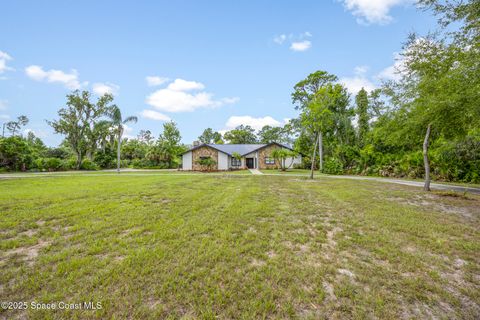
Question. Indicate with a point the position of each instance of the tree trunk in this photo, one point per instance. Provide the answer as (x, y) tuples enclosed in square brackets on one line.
[(79, 160), (426, 187), (313, 158), (3, 131), (118, 152), (320, 150)]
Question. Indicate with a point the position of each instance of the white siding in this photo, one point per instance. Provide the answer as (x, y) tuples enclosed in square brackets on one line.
[(296, 160), (222, 161), (187, 161)]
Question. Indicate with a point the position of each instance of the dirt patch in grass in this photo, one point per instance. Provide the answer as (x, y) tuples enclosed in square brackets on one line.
[(28, 254)]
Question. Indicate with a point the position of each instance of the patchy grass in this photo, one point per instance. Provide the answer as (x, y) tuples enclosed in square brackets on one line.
[(237, 246)]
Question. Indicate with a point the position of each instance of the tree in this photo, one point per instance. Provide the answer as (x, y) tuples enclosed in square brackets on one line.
[(217, 138), (376, 106), (14, 126), (169, 143), (241, 135), (281, 155), (77, 121), (317, 117), (437, 95), (210, 136), (118, 123), (362, 112), (15, 153), (270, 134), (305, 92), (145, 136)]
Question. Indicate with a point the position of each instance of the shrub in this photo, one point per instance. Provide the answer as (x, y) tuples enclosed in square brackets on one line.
[(87, 164), (207, 163), (333, 166), (39, 164), (53, 164), (70, 164), (105, 160)]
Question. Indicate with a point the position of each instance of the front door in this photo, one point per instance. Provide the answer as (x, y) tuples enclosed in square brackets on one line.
[(249, 163)]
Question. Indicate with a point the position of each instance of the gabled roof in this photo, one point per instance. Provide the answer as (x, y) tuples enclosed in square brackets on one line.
[(242, 149)]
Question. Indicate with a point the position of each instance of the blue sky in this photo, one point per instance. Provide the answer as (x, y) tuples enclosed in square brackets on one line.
[(210, 63)]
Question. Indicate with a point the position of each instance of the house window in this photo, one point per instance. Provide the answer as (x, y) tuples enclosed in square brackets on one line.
[(236, 162), (269, 160)]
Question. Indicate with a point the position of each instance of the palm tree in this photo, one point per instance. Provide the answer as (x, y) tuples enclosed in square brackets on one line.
[(118, 123)]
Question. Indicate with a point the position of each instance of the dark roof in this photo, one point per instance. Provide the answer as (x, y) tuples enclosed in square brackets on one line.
[(242, 149)]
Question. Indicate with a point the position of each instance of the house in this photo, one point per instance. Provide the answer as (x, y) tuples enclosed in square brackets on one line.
[(253, 156)]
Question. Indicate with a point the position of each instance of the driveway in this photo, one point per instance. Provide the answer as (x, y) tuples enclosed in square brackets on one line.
[(433, 186)]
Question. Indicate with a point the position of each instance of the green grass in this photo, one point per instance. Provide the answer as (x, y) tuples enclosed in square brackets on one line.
[(306, 172), (237, 247)]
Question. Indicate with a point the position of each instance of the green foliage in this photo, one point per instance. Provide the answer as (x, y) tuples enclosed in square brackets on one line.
[(53, 164), (207, 163), (240, 135), (281, 155), (361, 101), (210, 136), (15, 153), (105, 159), (333, 166), (87, 164), (270, 134), (237, 155), (15, 126), (78, 121)]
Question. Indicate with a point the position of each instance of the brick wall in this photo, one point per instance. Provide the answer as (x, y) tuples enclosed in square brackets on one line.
[(267, 153), (204, 151)]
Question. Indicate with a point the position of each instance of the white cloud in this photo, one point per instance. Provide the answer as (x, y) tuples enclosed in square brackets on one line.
[(394, 71), (4, 57), (3, 104), (127, 132), (256, 123), (301, 45), (153, 81), (103, 88), (298, 42), (280, 39), (69, 80), (185, 85), (176, 98), (358, 81), (372, 11), (154, 115)]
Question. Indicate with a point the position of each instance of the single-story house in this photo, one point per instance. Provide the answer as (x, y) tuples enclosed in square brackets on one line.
[(253, 156)]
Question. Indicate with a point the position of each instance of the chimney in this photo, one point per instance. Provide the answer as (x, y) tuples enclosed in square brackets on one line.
[(196, 143)]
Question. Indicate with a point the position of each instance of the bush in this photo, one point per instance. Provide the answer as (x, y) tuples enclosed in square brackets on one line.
[(105, 160), (70, 164), (15, 153), (39, 164), (53, 164), (207, 163), (87, 164), (333, 166)]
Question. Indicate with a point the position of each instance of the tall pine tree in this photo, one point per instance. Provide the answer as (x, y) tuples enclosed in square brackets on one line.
[(362, 112)]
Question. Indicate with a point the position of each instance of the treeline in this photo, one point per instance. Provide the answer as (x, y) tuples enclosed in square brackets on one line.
[(427, 121), (94, 140)]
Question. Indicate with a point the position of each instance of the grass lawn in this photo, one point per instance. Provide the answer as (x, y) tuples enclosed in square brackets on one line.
[(237, 247)]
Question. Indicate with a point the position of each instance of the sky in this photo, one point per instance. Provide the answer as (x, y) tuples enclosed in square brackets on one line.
[(202, 64)]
